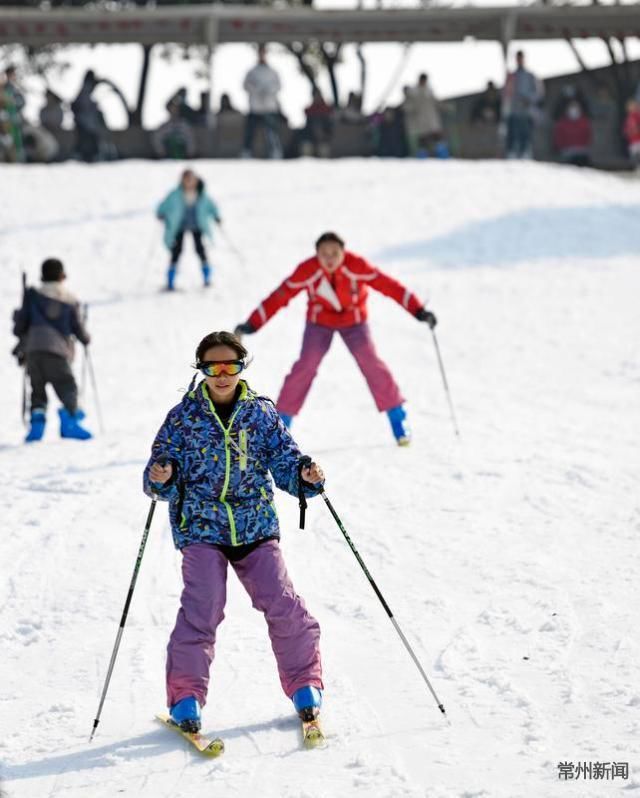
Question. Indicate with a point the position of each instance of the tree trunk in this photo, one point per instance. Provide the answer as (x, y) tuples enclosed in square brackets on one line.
[(363, 71), (577, 55), (122, 98), (299, 51), (136, 116), (330, 60)]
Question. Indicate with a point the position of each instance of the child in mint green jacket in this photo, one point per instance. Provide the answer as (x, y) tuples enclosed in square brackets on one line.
[(188, 208)]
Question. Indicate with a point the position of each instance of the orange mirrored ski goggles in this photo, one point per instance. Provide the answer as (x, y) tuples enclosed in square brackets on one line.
[(214, 368)]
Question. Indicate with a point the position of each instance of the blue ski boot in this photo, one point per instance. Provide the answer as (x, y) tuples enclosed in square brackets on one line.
[(397, 417), (70, 425), (307, 701), (287, 420), (36, 430), (171, 277), (186, 714), (206, 274)]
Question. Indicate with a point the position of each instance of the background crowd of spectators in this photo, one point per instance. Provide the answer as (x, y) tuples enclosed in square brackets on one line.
[(413, 128)]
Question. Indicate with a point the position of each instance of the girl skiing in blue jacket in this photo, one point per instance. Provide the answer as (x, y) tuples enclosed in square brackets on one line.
[(187, 209), (212, 460)]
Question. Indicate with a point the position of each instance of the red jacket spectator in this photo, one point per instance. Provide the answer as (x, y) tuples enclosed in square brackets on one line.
[(337, 299), (572, 134), (631, 128), (318, 107)]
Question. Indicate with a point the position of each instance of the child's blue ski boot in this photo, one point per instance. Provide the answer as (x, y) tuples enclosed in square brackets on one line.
[(397, 417), (206, 274), (171, 277), (38, 422), (186, 714), (307, 701), (70, 425)]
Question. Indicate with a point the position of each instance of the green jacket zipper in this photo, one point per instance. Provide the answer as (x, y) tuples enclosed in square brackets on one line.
[(227, 466)]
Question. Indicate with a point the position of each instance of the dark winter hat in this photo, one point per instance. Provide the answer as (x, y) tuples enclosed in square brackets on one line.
[(329, 238), (52, 271)]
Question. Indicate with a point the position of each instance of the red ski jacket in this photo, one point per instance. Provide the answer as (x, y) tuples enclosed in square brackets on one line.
[(337, 299), (631, 127), (572, 134)]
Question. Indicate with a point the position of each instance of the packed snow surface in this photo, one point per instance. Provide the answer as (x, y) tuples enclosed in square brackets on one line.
[(509, 556)]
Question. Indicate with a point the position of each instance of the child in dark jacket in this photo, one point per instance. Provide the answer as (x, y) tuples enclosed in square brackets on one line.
[(211, 460), (46, 325)]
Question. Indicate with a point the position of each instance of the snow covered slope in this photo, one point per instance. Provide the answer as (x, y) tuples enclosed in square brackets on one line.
[(509, 556)]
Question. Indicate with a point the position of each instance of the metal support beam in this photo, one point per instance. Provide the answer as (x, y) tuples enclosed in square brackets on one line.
[(222, 24)]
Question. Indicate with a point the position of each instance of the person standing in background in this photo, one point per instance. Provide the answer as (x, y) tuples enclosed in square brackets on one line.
[(89, 121), (52, 112), (520, 98), (423, 120), (572, 136), (631, 130), (262, 84), (12, 103)]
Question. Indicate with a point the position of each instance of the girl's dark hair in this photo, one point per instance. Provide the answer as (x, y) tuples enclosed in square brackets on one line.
[(221, 338), (327, 238)]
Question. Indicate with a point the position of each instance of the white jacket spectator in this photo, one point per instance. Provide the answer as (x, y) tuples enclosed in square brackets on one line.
[(262, 84), (421, 109)]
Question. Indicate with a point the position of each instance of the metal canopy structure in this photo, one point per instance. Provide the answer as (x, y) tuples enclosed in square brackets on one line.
[(217, 24)]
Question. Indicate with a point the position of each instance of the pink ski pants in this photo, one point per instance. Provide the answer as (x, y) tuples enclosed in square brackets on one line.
[(315, 345), (294, 633)]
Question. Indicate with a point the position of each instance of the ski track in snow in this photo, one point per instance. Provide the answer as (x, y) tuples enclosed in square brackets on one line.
[(508, 557)]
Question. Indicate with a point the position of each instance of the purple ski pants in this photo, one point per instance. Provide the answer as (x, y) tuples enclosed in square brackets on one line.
[(315, 345), (294, 633)]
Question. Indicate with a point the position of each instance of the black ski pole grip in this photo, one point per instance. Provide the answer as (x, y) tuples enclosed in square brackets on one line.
[(305, 462)]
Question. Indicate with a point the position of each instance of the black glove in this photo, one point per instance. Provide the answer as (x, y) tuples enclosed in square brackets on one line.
[(426, 315), (19, 354), (243, 329)]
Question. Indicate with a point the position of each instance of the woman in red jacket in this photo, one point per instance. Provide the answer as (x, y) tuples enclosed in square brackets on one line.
[(337, 282), (631, 130), (572, 136)]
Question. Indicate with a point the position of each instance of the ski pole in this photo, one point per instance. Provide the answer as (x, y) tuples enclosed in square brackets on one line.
[(94, 386), (24, 395), (151, 251), (125, 612), (446, 385), (232, 246), (22, 358), (382, 599), (83, 380)]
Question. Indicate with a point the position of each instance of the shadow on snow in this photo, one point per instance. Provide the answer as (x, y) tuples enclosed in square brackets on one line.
[(144, 746), (602, 231)]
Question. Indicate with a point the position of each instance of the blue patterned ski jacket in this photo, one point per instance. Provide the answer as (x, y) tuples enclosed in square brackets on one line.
[(220, 491)]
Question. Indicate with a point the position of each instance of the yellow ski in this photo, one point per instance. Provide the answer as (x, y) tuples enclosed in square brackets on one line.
[(312, 734), (204, 745)]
